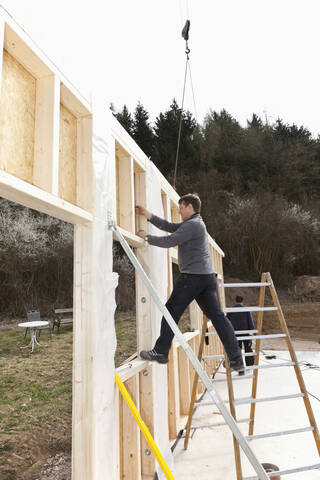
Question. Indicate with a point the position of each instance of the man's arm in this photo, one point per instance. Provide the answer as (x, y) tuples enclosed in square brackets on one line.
[(164, 224), (157, 221), (185, 232)]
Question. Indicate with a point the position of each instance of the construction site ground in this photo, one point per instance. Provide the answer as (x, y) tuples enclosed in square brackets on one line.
[(35, 401)]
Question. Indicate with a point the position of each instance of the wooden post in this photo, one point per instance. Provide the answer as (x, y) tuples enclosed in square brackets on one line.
[(47, 121)]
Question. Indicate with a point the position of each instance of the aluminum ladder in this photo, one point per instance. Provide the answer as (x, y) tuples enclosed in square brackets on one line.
[(241, 440)]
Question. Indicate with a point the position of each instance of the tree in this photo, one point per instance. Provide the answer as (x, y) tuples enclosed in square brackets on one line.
[(166, 139), (124, 117), (141, 131)]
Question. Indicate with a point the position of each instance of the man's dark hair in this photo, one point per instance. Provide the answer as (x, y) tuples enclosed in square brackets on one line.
[(193, 199), (239, 299)]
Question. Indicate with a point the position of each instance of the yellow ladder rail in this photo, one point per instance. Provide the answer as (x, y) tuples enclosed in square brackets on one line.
[(144, 429)]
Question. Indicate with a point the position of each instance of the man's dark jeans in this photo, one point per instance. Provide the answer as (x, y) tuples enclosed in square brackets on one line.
[(201, 288)]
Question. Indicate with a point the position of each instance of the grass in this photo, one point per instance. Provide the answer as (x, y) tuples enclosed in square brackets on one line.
[(36, 394)]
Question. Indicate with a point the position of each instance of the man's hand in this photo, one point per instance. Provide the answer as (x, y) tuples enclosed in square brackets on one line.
[(143, 211), (142, 234)]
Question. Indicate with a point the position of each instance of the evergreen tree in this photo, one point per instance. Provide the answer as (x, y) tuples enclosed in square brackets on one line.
[(141, 130), (166, 139), (124, 117)]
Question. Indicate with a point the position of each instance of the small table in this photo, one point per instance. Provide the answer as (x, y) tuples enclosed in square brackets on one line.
[(33, 330)]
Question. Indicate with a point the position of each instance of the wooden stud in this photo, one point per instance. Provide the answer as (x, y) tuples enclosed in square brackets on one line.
[(126, 192), (84, 172), (46, 149), (131, 468), (1, 47), (148, 463), (195, 384), (173, 391), (184, 382)]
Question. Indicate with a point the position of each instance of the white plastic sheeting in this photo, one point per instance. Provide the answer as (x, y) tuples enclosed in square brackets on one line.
[(105, 282), (159, 279)]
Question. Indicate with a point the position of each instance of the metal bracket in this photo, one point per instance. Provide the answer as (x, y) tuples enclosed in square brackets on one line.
[(110, 221)]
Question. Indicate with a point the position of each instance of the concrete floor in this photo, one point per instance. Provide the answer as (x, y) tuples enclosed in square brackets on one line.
[(210, 451)]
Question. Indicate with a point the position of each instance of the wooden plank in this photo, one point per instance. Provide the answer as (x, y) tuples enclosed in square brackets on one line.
[(83, 352), (196, 316), (70, 99), (195, 384), (126, 193), (148, 464), (26, 194), (68, 155), (84, 165), (1, 47), (17, 115), (46, 138), (173, 392), (131, 468), (19, 46), (184, 382)]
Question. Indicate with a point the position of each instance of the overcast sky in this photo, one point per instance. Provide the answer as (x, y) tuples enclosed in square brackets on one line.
[(246, 56)]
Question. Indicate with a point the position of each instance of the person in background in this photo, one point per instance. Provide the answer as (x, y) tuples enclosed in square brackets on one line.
[(243, 321)]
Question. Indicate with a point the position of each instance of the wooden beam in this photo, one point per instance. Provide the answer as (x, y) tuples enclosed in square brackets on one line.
[(46, 148), (19, 46), (126, 193), (173, 392), (71, 101), (84, 169), (30, 196), (1, 47), (148, 464), (184, 381), (131, 469)]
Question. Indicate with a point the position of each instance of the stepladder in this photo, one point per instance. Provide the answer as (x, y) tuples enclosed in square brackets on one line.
[(258, 335), (208, 384)]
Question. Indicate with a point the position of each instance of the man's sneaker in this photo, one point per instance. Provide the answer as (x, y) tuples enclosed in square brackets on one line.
[(154, 356), (236, 364)]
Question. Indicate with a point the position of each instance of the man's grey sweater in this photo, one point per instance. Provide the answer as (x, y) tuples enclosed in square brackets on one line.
[(192, 239)]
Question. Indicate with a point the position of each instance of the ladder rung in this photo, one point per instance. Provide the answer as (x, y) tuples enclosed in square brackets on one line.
[(253, 284), (271, 365), (260, 337), (278, 434), (238, 377), (208, 357), (239, 332), (219, 424), (287, 472), (249, 309), (243, 401)]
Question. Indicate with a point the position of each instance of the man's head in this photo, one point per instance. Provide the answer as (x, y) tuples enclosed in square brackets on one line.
[(189, 205), (239, 299)]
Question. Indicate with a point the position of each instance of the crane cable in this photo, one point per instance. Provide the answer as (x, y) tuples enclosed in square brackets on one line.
[(185, 36)]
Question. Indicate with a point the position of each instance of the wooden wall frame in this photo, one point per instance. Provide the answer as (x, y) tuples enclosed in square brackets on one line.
[(60, 181)]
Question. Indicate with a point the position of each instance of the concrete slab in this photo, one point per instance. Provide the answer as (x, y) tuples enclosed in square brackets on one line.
[(210, 453)]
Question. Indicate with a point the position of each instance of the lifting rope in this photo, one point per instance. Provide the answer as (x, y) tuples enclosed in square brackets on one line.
[(185, 36)]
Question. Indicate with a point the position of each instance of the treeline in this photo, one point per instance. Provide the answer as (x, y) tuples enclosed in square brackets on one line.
[(260, 185), (260, 188)]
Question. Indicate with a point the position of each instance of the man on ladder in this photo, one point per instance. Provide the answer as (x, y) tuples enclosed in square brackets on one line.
[(197, 281)]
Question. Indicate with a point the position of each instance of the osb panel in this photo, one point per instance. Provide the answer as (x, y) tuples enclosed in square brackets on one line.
[(67, 155), (17, 117)]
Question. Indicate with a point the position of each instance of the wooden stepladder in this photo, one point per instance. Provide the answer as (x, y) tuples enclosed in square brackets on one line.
[(257, 336)]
